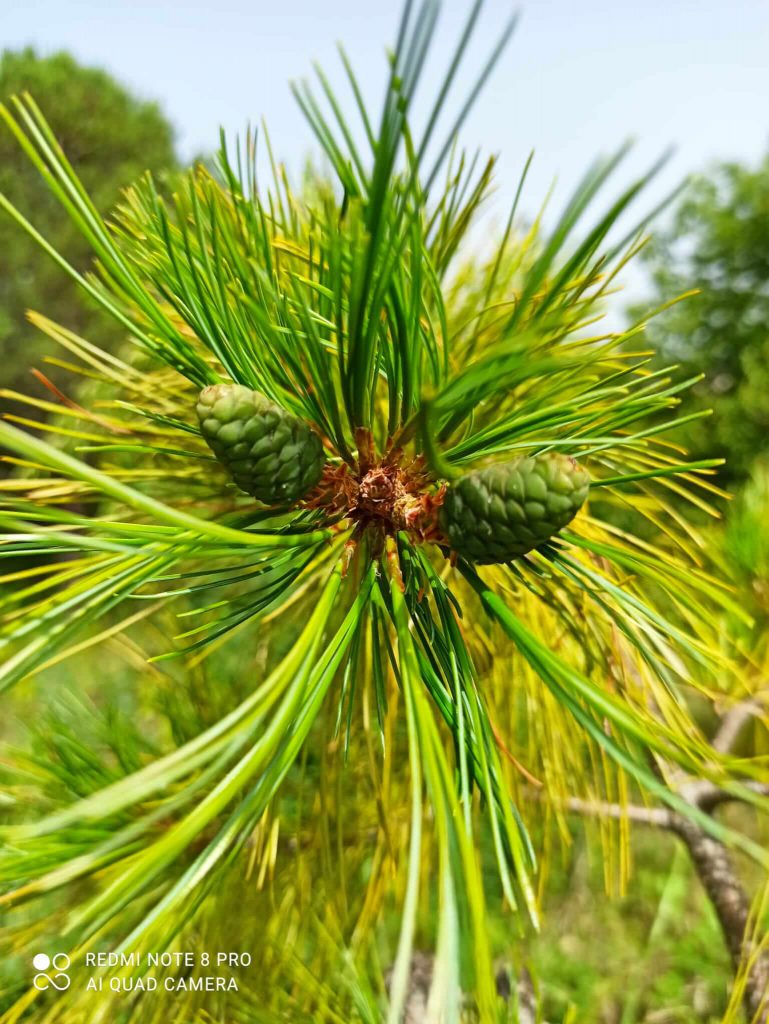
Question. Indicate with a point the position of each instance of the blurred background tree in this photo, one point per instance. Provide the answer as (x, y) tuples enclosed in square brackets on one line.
[(113, 137), (718, 242)]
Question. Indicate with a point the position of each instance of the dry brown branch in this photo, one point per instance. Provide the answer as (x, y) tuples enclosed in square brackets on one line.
[(732, 724), (710, 857)]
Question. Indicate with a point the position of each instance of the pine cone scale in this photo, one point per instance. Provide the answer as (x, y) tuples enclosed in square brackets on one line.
[(271, 454), (499, 513)]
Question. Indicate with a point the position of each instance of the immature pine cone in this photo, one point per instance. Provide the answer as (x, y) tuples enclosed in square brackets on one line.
[(501, 512), (271, 454)]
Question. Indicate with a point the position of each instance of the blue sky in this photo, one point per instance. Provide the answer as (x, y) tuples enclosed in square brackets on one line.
[(578, 79)]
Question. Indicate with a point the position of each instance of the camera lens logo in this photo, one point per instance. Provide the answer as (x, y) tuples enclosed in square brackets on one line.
[(51, 972)]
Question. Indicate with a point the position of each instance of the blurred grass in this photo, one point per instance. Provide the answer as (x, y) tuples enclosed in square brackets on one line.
[(654, 955)]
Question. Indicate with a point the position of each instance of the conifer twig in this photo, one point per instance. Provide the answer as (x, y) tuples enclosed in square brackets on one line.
[(710, 858)]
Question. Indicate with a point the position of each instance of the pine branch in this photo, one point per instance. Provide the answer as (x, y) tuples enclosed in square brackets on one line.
[(658, 817), (351, 309), (734, 721), (711, 859), (420, 981)]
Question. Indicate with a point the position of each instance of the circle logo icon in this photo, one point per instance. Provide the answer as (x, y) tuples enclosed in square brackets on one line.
[(44, 979)]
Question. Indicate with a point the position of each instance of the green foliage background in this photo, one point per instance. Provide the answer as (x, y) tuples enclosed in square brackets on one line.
[(717, 242), (113, 137)]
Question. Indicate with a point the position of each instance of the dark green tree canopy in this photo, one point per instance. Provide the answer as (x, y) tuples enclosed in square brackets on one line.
[(113, 137), (718, 242)]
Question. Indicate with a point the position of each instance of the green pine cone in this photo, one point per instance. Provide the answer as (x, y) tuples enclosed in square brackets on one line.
[(501, 512), (271, 454)]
